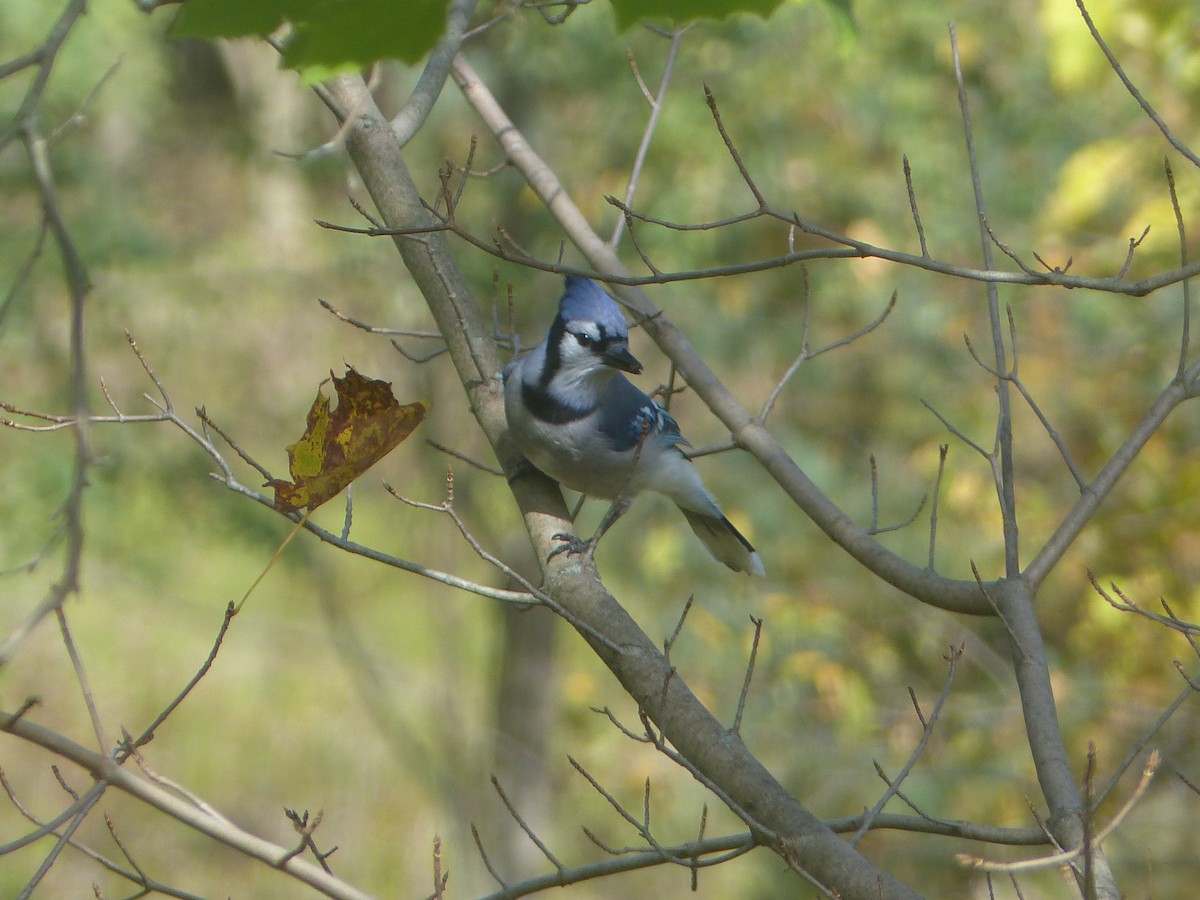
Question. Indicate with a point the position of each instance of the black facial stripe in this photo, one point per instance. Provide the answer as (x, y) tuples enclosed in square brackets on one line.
[(558, 330), (600, 345), (553, 351)]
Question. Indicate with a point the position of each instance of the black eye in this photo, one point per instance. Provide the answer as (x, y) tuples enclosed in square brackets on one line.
[(584, 339)]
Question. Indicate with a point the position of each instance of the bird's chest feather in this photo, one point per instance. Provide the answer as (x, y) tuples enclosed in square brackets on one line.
[(576, 455)]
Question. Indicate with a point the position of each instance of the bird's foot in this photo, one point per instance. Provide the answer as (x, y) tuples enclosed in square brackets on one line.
[(572, 545)]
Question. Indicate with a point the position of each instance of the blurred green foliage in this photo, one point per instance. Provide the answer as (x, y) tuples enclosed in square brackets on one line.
[(326, 35), (371, 693)]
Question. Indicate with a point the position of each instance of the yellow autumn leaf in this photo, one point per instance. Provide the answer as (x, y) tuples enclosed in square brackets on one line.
[(340, 444)]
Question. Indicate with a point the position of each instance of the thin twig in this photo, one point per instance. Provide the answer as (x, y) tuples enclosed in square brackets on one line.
[(943, 450), (958, 434), (807, 354), (534, 595), (1185, 336), (852, 249), (81, 679), (525, 827), (1003, 472), (733, 151), (1134, 243), (912, 205), (996, 609), (486, 860), (927, 725), (656, 107), (1127, 605), (643, 830), (1014, 379), (376, 329), (741, 706), (471, 461), (147, 734), (669, 643), (1069, 856), (1133, 91)]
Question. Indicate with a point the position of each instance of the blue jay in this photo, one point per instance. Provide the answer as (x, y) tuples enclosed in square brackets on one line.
[(579, 420)]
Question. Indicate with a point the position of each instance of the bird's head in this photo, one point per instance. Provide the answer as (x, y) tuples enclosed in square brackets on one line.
[(591, 330)]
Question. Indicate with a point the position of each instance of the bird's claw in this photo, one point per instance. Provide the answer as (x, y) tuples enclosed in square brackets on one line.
[(572, 545)]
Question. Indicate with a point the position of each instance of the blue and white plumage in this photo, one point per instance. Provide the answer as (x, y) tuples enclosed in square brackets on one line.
[(579, 420)]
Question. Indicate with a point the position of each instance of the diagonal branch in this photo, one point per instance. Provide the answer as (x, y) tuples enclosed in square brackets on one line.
[(958, 595), (1005, 485), (107, 771), (927, 725), (1132, 88), (640, 666), (656, 107)]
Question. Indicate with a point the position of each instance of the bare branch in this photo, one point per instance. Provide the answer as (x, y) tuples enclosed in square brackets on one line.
[(958, 434), (1185, 336), (656, 107), (440, 879), (486, 861), (1133, 91), (1069, 856), (1134, 243), (1012, 378), (875, 527), (806, 354), (408, 121), (450, 451), (1005, 487), (127, 747), (108, 772), (637, 245), (912, 205), (534, 595), (642, 826), (525, 827), (1004, 249), (376, 329), (23, 273), (81, 679), (741, 707), (1127, 605), (927, 725), (695, 854), (943, 450), (136, 876), (733, 151), (669, 643)]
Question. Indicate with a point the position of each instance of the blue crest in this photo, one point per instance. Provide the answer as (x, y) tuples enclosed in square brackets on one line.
[(585, 300)]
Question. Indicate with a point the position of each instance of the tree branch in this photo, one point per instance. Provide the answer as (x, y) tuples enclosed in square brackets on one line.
[(106, 771), (640, 666), (955, 595)]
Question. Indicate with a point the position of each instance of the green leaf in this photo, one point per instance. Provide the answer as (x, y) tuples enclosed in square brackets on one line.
[(336, 33), (327, 35), (679, 12), (229, 18)]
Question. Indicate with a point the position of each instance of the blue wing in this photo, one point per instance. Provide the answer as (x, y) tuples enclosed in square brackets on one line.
[(627, 413)]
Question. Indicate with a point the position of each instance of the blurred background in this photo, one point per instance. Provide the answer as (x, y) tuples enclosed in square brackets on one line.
[(387, 700)]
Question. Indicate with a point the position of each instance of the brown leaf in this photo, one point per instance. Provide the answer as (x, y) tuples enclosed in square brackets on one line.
[(339, 445)]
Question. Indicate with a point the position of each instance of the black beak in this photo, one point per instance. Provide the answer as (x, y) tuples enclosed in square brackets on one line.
[(619, 357)]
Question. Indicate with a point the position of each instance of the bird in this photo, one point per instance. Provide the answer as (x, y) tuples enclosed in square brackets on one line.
[(576, 418)]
